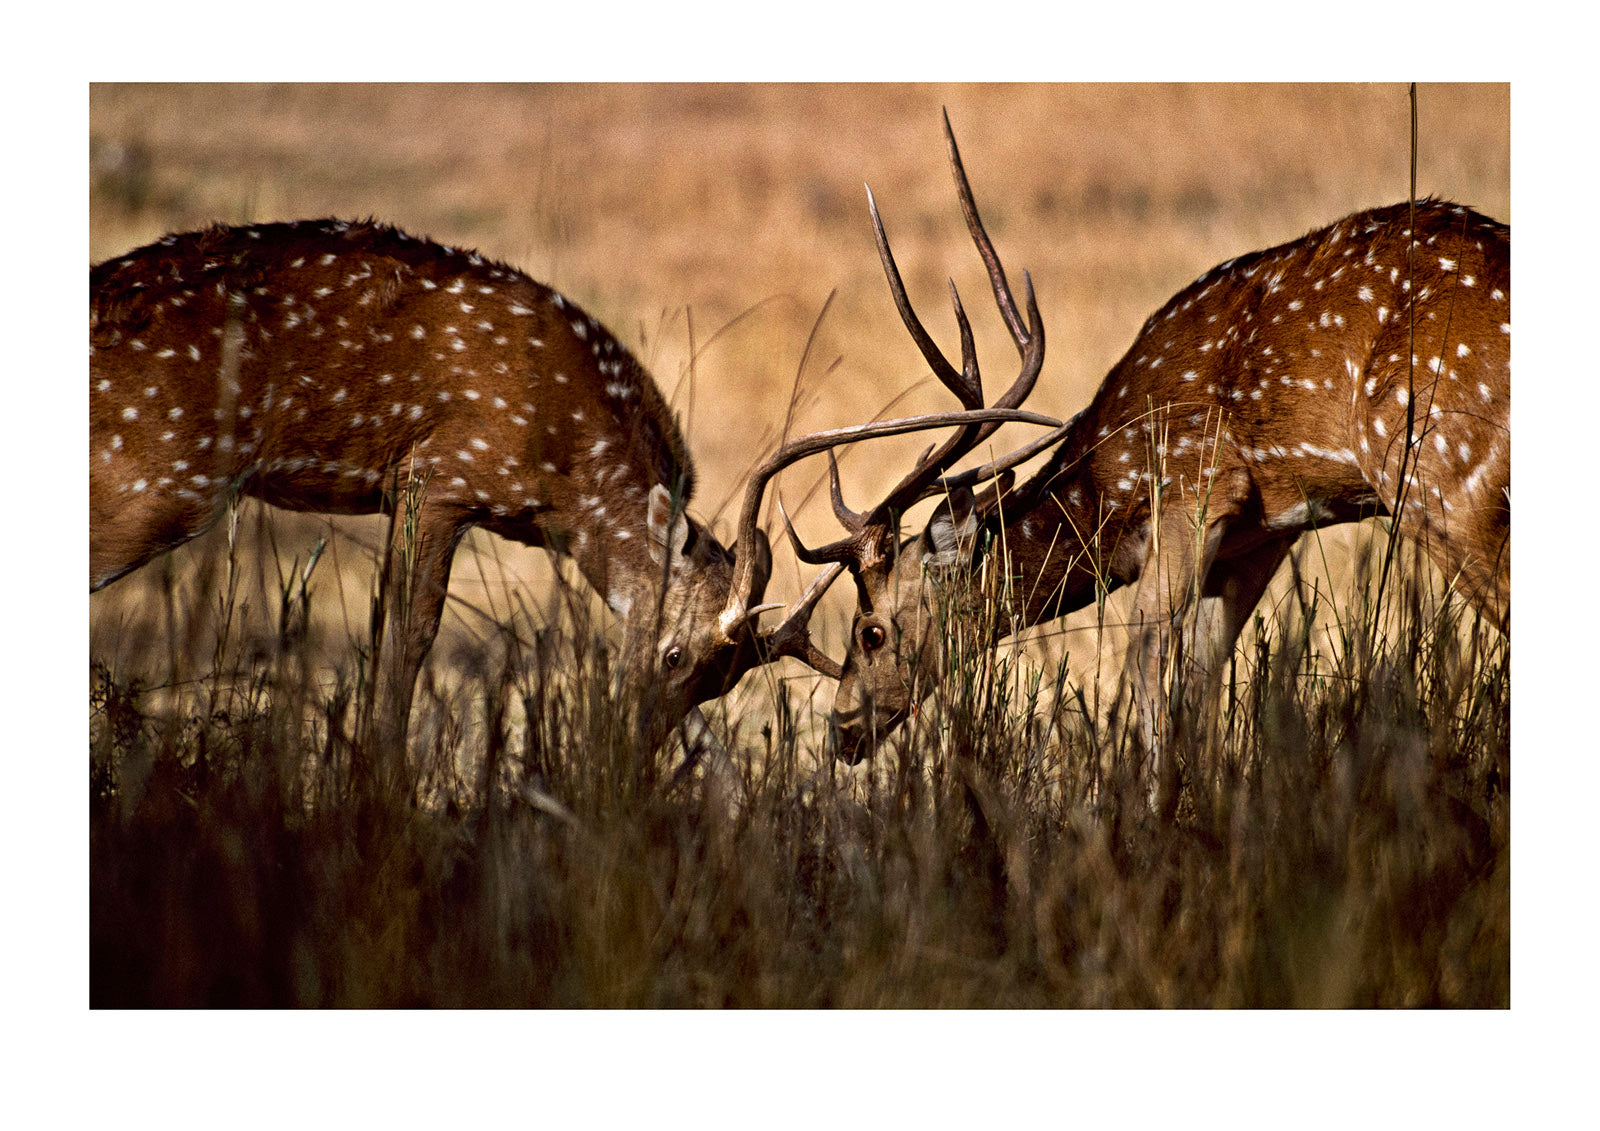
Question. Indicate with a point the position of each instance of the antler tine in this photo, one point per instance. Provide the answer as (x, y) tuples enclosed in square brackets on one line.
[(831, 554), (1029, 339), (849, 518), (969, 351), (737, 610), (962, 383), (793, 636), (974, 475), (991, 260), (1032, 349)]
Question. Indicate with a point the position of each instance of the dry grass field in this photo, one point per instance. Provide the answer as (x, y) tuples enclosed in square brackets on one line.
[(1345, 843)]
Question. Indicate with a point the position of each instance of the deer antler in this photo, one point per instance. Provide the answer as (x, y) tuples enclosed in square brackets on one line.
[(738, 613), (974, 475), (793, 636), (869, 531)]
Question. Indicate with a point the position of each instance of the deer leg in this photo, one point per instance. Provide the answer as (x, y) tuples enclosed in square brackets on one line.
[(1458, 505), (1232, 589), (1165, 595), (1230, 592), (416, 579), (1185, 535), (1473, 553)]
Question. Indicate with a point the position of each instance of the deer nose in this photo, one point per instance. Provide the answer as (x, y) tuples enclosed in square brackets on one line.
[(856, 734), (852, 746)]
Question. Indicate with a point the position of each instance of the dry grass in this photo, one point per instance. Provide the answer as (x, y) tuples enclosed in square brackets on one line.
[(1342, 839), (960, 875)]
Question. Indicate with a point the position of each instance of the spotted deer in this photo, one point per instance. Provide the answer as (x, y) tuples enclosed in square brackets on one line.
[(1361, 370), (348, 368)]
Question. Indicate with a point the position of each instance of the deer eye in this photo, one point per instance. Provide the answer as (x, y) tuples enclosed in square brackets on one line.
[(872, 637), (673, 659)]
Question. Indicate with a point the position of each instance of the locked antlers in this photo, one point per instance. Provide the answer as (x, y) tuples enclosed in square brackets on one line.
[(791, 637), (870, 532)]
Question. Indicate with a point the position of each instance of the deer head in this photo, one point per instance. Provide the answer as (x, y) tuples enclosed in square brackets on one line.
[(894, 638), (678, 649), (908, 596)]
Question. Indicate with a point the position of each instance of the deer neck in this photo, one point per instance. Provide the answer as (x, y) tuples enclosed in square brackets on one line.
[(1057, 559), (597, 453), (611, 555)]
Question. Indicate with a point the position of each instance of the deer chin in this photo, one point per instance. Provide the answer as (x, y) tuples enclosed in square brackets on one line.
[(722, 667), (857, 734)]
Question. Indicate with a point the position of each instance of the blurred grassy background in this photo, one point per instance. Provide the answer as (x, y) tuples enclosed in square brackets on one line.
[(666, 209)]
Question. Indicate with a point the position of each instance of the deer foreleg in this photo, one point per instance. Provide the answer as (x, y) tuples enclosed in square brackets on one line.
[(1231, 590), (415, 580), (1177, 621)]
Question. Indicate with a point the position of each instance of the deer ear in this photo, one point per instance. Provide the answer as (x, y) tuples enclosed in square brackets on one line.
[(668, 532), (951, 529), (761, 568)]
